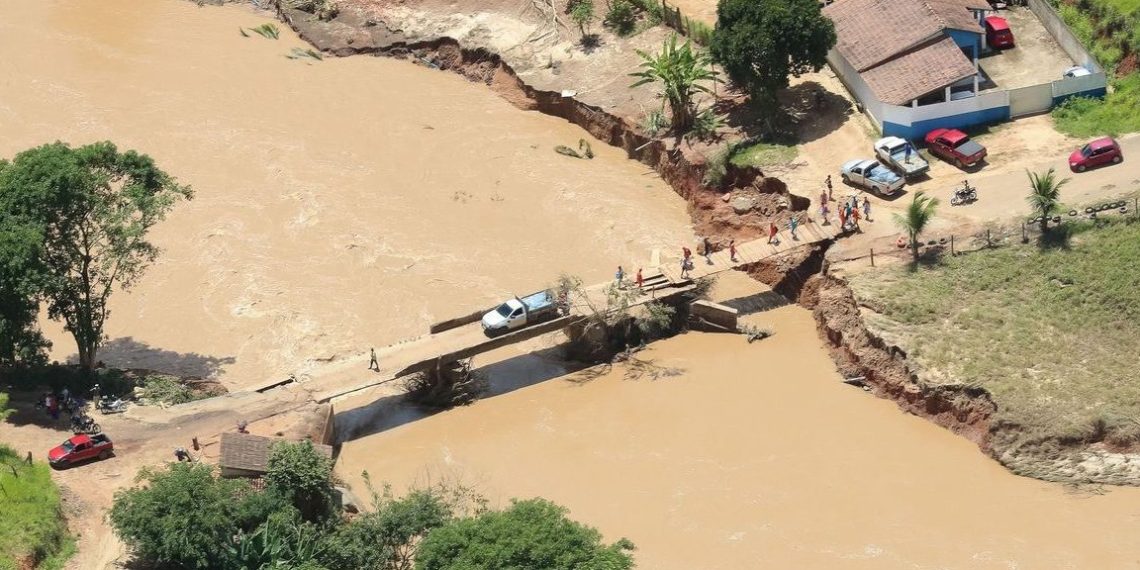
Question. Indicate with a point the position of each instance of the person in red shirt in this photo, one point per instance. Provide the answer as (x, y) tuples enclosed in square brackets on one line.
[(639, 279), (772, 232)]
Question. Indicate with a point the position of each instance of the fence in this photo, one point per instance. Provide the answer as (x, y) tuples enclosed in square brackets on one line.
[(1029, 100), (865, 98), (915, 122), (1060, 32), (698, 31), (959, 244)]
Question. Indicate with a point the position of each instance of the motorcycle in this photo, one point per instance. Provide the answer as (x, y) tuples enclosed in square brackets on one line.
[(85, 424), (110, 405), (964, 194)]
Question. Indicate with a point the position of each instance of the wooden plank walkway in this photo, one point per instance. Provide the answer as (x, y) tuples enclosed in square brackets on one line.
[(750, 252)]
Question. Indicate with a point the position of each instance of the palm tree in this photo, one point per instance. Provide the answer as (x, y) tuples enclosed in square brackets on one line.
[(914, 220), (680, 71), (1045, 189)]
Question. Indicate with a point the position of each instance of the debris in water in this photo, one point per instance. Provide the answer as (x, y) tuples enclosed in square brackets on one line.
[(584, 150), (755, 333), (267, 30), (242, 32), (299, 53)]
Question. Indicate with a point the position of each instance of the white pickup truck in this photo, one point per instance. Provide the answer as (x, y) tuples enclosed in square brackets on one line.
[(900, 155), (519, 312)]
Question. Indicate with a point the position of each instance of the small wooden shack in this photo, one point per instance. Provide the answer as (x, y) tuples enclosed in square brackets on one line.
[(246, 455)]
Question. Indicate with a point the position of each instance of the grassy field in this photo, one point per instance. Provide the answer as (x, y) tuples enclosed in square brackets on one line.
[(764, 154), (1052, 333), (30, 520), (1118, 113)]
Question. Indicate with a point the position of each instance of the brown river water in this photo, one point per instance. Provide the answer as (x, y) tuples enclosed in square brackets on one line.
[(349, 202)]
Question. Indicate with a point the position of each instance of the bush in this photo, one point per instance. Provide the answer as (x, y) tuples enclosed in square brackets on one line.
[(180, 516), (533, 534), (32, 527), (621, 17), (168, 390), (302, 474)]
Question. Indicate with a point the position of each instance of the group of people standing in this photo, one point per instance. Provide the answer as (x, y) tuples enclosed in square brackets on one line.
[(848, 209)]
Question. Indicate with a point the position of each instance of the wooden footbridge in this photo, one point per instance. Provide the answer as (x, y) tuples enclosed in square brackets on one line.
[(463, 338)]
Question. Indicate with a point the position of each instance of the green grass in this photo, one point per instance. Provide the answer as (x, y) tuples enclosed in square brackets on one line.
[(1124, 6), (31, 522), (1051, 334), (1118, 113), (764, 154)]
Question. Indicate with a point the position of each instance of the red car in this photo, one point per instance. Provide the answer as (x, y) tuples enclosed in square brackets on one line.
[(998, 34), (954, 146), (81, 448), (1097, 153)]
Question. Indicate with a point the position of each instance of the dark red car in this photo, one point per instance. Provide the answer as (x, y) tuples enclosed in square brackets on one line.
[(955, 146), (998, 34), (1097, 153), (81, 448)]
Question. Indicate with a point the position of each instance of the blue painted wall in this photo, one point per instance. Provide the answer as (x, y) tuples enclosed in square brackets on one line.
[(967, 40), (918, 130), (1098, 93)]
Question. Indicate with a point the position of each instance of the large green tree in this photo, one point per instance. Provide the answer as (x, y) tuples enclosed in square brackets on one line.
[(386, 537), (93, 207), (533, 534), (761, 43), (20, 338)]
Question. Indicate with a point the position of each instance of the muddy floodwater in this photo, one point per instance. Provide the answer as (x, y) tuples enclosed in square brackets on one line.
[(346, 203), (755, 456), (340, 204)]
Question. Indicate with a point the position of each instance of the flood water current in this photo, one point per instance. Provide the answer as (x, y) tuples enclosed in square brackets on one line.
[(348, 202)]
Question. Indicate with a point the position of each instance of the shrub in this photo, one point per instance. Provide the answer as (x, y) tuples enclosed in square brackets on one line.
[(534, 534), (302, 474), (621, 17)]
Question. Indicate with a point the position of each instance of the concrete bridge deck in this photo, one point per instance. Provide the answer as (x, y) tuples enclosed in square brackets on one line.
[(465, 337)]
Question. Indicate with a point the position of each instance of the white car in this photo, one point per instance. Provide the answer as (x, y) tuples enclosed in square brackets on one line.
[(872, 175), (1076, 71)]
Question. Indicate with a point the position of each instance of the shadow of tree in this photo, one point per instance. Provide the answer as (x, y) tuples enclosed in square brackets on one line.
[(807, 112), (126, 352)]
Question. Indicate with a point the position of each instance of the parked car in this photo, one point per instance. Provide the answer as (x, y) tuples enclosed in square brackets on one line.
[(1076, 71), (81, 448), (519, 312), (998, 34), (899, 154), (955, 146), (871, 175), (1100, 152)]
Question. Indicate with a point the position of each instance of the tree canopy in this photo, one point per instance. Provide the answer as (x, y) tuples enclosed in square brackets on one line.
[(182, 516), (683, 72), (300, 473), (761, 43), (84, 212), (533, 534)]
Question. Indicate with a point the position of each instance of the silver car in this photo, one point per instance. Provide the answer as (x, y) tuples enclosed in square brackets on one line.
[(871, 175)]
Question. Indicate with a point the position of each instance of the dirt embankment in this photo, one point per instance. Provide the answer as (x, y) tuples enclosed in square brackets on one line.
[(682, 167)]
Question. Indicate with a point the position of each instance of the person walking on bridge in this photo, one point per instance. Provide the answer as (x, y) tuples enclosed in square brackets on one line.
[(732, 250), (639, 279), (619, 277), (708, 251), (772, 234), (373, 363), (830, 195), (792, 224)]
